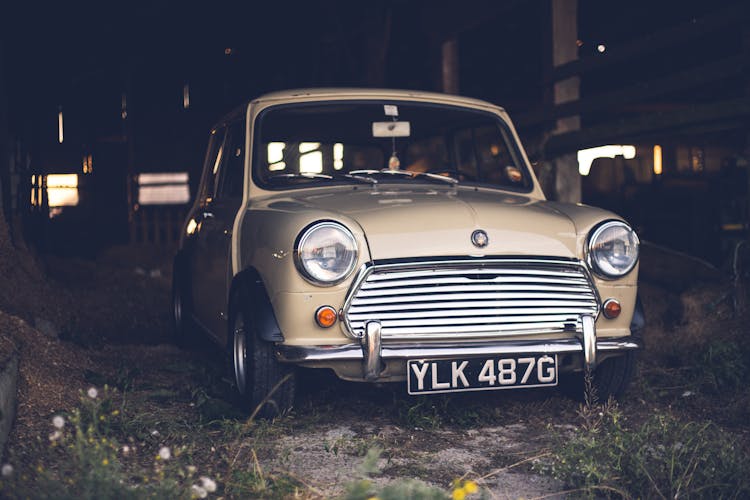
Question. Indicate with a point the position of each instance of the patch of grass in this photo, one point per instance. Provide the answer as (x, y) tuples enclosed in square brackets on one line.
[(663, 457), (434, 412), (90, 463), (723, 365), (123, 378), (254, 483), (363, 487)]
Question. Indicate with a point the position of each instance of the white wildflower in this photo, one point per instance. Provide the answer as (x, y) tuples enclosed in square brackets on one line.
[(58, 421), (198, 492), (6, 470), (208, 484), (165, 453), (125, 450), (92, 392)]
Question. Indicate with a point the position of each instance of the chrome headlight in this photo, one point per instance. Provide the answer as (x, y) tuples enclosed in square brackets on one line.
[(613, 249), (326, 253)]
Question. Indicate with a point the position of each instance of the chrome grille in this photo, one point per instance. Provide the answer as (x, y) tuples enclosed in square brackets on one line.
[(472, 300)]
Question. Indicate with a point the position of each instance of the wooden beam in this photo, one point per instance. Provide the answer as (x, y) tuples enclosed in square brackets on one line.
[(648, 124), (686, 79), (656, 41), (450, 66)]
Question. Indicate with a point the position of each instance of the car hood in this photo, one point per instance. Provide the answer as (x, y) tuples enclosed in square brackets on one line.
[(400, 222)]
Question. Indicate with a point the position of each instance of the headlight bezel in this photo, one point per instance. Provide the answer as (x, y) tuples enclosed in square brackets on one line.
[(302, 238), (594, 234)]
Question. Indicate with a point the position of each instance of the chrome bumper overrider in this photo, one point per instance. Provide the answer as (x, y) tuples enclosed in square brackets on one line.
[(370, 351)]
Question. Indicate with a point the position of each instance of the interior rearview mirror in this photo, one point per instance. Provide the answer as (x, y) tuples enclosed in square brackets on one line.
[(391, 129)]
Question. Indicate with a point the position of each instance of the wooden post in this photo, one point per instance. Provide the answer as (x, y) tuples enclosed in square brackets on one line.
[(130, 138), (564, 27), (450, 66)]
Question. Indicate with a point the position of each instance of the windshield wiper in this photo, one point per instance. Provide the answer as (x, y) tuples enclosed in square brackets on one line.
[(406, 173), (437, 177), (353, 176), (314, 176), (300, 176)]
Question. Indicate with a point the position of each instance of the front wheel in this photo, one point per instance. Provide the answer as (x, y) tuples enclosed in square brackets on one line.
[(266, 386), (610, 379)]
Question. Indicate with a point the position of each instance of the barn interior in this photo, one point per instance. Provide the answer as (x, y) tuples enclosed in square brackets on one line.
[(638, 107)]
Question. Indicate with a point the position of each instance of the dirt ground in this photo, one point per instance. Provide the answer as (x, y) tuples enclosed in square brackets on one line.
[(108, 325)]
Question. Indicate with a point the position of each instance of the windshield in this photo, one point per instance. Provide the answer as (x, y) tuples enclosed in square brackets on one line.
[(351, 142)]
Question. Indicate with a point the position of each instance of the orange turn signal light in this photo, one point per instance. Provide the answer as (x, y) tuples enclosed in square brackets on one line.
[(611, 309), (326, 316)]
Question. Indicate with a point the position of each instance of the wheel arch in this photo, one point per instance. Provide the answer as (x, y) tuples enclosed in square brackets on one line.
[(257, 304), (638, 323)]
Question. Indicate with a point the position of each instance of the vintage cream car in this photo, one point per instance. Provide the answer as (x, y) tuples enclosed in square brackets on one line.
[(398, 236)]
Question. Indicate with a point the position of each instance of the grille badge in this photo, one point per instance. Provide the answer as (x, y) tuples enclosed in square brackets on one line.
[(479, 238)]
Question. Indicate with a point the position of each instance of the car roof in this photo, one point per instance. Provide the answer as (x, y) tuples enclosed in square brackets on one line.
[(343, 93), (370, 93)]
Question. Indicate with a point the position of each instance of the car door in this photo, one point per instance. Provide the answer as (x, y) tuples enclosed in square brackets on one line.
[(213, 271), (200, 267)]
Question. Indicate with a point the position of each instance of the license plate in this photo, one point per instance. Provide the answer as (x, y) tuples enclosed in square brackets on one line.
[(430, 376)]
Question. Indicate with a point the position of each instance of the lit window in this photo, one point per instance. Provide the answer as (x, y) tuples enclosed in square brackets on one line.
[(60, 136), (62, 190), (338, 156), (311, 163), (587, 156), (306, 147), (163, 188), (657, 160), (88, 164), (275, 152)]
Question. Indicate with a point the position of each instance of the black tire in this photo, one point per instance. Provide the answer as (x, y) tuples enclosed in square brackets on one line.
[(184, 330), (613, 376), (254, 367), (610, 379)]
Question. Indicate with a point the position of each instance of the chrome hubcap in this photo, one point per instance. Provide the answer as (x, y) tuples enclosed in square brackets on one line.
[(239, 355), (177, 305)]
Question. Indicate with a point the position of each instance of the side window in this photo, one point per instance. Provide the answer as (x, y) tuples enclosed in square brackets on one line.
[(214, 158), (232, 172)]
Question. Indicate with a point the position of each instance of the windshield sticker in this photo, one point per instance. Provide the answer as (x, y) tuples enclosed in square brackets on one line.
[(390, 110)]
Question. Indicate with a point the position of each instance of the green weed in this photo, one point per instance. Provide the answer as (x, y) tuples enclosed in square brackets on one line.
[(90, 462), (662, 457), (364, 488)]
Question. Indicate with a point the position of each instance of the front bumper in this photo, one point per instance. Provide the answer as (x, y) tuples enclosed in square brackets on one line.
[(371, 353)]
